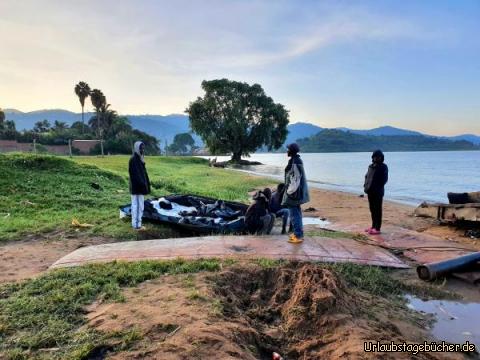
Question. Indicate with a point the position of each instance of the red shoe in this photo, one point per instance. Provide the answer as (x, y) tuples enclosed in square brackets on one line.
[(374, 232)]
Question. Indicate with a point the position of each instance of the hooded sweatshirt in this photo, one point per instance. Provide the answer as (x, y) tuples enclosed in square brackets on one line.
[(136, 150), (377, 176), (139, 181)]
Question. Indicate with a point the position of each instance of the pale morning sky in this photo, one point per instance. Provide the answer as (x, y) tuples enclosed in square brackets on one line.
[(361, 64)]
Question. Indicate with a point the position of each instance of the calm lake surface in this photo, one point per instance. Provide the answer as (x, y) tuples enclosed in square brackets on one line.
[(413, 176)]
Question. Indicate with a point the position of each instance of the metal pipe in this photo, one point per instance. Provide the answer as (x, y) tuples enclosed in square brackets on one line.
[(435, 270)]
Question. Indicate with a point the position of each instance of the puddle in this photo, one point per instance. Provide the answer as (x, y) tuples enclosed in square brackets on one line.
[(456, 322), (315, 221)]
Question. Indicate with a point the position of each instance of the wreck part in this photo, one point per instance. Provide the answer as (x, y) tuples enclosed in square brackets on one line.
[(431, 271)]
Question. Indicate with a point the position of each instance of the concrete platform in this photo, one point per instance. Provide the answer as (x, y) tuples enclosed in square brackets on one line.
[(419, 247), (272, 246)]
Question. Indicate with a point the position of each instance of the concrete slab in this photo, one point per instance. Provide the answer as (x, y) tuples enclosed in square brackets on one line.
[(273, 246), (419, 247)]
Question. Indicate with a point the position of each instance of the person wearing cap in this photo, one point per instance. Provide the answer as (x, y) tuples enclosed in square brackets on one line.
[(296, 192), (374, 187), (139, 183), (257, 217)]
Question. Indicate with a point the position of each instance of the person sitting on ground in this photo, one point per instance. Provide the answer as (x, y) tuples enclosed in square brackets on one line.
[(374, 187), (275, 207), (257, 218), (139, 183)]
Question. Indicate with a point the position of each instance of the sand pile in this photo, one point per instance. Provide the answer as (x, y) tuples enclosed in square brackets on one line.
[(305, 311)]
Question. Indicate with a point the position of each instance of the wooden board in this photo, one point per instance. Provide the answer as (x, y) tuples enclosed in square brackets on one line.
[(272, 246)]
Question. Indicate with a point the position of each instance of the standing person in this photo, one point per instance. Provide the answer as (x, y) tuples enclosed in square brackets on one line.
[(139, 183), (375, 180), (275, 206), (296, 192)]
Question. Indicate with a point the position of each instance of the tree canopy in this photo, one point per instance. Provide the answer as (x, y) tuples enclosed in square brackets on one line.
[(182, 144), (82, 89), (238, 118)]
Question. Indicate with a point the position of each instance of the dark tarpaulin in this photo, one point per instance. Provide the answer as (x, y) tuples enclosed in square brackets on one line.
[(210, 215)]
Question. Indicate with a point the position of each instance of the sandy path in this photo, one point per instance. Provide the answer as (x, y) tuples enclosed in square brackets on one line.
[(25, 259)]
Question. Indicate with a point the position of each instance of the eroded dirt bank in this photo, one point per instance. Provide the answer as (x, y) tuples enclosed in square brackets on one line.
[(301, 311)]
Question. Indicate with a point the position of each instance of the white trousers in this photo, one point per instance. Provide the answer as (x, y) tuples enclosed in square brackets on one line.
[(137, 211)]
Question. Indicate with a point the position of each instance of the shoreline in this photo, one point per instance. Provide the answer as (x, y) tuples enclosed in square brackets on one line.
[(313, 184)]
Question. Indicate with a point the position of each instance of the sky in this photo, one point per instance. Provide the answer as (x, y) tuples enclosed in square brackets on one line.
[(359, 64)]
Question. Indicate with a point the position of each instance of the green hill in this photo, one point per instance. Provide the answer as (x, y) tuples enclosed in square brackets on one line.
[(331, 140)]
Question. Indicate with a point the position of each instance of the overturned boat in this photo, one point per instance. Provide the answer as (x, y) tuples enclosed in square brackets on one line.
[(461, 207), (194, 213)]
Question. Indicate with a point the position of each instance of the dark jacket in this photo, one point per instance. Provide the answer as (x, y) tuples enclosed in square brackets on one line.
[(254, 214), (375, 179), (303, 196), (275, 203), (139, 181)]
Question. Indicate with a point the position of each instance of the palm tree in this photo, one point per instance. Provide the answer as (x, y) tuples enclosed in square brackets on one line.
[(2, 118), (59, 126), (82, 90), (99, 102), (108, 116)]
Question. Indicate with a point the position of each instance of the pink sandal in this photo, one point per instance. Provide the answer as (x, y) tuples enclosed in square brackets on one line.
[(368, 230), (374, 232)]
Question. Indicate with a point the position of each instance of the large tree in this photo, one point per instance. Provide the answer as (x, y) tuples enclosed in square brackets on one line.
[(42, 126), (2, 117), (237, 117), (82, 89), (182, 143), (99, 102)]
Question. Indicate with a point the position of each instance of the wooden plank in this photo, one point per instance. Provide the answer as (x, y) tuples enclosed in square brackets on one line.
[(272, 246)]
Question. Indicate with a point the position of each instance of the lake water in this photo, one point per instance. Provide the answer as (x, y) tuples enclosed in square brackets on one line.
[(413, 176), (455, 322)]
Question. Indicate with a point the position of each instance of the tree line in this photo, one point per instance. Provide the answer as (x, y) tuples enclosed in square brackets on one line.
[(116, 131), (232, 117), (332, 140)]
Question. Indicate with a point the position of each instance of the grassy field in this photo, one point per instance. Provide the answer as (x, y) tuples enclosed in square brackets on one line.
[(42, 194)]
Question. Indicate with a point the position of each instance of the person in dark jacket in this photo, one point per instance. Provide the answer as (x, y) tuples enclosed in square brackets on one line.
[(275, 206), (374, 187), (139, 183), (257, 217), (296, 192)]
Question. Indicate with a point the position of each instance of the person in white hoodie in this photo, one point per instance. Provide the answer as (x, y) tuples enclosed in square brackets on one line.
[(139, 183)]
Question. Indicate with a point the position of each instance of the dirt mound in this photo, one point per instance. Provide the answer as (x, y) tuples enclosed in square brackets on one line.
[(287, 296), (302, 311), (286, 305)]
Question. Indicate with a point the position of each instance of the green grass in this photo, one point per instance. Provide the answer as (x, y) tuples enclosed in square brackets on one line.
[(42, 194), (336, 234), (47, 312), (379, 282)]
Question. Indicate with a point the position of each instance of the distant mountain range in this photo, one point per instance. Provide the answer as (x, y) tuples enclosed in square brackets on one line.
[(165, 127)]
